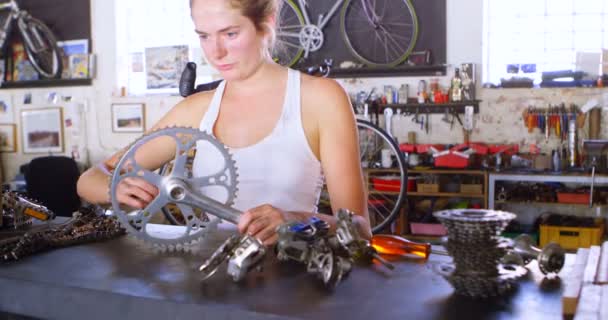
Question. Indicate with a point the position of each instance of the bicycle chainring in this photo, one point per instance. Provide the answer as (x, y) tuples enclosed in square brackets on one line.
[(136, 222)]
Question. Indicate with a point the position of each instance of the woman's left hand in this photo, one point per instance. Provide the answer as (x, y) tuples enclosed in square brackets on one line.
[(262, 222)]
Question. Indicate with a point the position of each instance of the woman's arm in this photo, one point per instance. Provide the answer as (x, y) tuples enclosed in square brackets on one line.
[(93, 185), (339, 153)]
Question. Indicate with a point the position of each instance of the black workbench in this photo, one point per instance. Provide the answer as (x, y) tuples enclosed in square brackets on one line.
[(120, 279)]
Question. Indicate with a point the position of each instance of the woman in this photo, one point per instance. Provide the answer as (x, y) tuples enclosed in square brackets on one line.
[(285, 130)]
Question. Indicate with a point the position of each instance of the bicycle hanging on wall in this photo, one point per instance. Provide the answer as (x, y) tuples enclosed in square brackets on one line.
[(379, 33), (38, 40)]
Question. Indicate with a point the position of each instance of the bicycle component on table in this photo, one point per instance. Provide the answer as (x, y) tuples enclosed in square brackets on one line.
[(87, 225), (394, 31), (17, 211), (327, 256), (38, 40), (477, 249), (178, 188), (550, 259), (242, 252)]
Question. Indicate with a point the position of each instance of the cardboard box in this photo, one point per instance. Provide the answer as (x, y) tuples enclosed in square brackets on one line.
[(471, 188), (428, 187)]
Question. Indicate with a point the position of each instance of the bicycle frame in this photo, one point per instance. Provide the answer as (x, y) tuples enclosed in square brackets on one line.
[(324, 18)]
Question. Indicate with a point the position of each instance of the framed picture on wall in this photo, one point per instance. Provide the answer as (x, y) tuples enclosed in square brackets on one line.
[(128, 117), (7, 113), (42, 130), (164, 66), (8, 138)]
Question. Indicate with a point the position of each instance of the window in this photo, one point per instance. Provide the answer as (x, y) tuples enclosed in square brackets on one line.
[(143, 24), (549, 34)]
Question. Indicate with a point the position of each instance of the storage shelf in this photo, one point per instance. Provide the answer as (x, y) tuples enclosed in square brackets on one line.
[(540, 203), (424, 108), (398, 71), (46, 83), (446, 194)]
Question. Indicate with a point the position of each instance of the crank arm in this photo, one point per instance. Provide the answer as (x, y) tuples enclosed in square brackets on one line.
[(180, 192)]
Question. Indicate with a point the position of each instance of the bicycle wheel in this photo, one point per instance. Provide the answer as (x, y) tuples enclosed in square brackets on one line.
[(288, 49), (41, 47), (392, 26), (386, 186)]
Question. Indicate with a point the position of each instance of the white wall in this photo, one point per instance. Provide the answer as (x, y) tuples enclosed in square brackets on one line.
[(498, 121)]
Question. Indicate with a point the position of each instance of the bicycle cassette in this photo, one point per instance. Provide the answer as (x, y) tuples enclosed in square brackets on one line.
[(179, 188)]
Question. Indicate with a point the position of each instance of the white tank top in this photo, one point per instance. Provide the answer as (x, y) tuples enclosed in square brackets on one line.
[(280, 170)]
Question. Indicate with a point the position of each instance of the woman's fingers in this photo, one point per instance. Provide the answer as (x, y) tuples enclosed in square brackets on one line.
[(136, 193)]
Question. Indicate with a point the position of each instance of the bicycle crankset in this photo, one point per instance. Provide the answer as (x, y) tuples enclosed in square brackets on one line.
[(179, 188)]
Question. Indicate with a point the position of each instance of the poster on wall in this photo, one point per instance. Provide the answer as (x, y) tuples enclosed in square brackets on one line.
[(42, 130), (164, 67), (7, 112), (8, 138)]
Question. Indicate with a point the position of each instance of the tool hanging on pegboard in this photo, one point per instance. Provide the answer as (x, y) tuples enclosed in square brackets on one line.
[(553, 120)]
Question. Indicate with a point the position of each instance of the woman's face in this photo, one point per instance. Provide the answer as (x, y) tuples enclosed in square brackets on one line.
[(230, 41)]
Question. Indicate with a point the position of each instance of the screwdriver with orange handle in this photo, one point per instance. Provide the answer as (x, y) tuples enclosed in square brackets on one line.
[(395, 245)]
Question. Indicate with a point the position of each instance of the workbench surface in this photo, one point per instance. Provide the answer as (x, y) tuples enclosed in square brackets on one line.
[(120, 279)]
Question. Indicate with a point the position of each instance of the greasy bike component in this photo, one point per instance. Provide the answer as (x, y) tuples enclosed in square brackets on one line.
[(18, 209), (477, 250), (178, 188), (243, 253), (309, 244), (330, 257), (349, 237), (550, 259), (87, 225)]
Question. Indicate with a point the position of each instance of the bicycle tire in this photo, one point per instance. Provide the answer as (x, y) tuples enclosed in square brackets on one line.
[(46, 58), (383, 207), (401, 31), (288, 50)]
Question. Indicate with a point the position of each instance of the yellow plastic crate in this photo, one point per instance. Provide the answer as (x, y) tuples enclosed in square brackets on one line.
[(572, 237)]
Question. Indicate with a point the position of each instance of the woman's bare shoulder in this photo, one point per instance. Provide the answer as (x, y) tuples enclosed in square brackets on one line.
[(190, 111), (323, 95)]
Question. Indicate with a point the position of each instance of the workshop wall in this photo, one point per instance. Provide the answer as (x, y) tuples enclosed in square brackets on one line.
[(499, 119)]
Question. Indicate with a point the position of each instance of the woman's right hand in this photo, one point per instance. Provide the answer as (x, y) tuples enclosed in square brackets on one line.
[(135, 192)]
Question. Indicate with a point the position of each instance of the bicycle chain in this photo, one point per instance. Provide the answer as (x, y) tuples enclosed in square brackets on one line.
[(87, 225), (477, 250)]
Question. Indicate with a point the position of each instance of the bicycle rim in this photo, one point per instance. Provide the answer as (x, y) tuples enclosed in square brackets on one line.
[(381, 32), (288, 50), (386, 188), (42, 49)]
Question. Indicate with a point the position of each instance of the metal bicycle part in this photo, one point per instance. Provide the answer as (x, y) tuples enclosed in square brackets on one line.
[(178, 188), (393, 31), (243, 253)]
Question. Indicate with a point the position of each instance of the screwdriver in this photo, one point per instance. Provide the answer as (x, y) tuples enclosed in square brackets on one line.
[(396, 245)]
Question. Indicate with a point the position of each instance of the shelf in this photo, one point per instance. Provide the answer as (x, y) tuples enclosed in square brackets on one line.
[(422, 108), (46, 83), (446, 194), (432, 194), (540, 203), (399, 71), (429, 171)]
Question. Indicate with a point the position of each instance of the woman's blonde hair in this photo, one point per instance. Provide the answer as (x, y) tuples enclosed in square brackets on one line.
[(259, 12)]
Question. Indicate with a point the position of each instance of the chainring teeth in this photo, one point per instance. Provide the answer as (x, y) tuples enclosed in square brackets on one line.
[(186, 139)]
